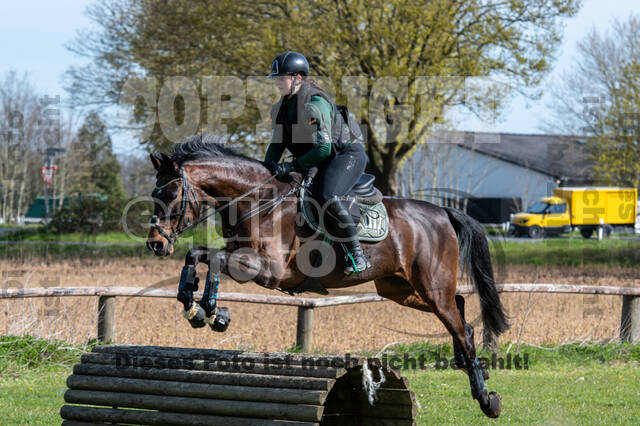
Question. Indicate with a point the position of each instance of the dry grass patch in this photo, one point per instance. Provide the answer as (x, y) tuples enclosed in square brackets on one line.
[(536, 318)]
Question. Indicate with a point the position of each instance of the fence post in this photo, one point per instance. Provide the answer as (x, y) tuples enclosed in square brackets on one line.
[(304, 335), (630, 319), (106, 318)]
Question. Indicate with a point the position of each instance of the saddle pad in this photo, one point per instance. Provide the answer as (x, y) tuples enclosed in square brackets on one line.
[(373, 225)]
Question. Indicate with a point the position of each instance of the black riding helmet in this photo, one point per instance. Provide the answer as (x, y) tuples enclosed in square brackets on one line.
[(289, 63)]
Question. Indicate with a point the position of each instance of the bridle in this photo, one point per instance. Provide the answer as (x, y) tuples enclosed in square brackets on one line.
[(186, 201), (182, 225)]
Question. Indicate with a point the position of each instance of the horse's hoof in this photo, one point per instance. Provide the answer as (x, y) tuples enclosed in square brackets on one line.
[(494, 405)]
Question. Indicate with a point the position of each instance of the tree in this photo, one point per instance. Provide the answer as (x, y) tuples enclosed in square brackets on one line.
[(96, 167), (599, 97), (21, 145), (93, 181), (375, 51)]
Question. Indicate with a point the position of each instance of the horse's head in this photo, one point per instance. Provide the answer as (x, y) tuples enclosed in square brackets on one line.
[(176, 205)]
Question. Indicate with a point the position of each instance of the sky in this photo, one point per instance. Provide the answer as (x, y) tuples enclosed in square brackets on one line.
[(33, 34)]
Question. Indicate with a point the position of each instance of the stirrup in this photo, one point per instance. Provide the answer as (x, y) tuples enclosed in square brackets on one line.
[(352, 267)]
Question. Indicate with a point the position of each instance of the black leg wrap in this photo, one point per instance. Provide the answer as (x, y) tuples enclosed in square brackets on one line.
[(188, 285), (490, 402), (204, 312), (478, 387), (218, 317)]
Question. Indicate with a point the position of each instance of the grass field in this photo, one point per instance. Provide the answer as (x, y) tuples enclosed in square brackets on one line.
[(574, 384), (39, 244), (614, 251), (568, 252)]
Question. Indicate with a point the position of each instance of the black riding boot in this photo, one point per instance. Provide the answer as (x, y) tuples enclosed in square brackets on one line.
[(355, 259)]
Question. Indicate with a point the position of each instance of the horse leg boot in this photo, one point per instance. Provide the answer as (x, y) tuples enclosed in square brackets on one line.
[(193, 312), (356, 260), (204, 312)]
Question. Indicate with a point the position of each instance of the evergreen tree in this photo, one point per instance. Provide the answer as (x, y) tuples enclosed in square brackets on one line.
[(98, 195)]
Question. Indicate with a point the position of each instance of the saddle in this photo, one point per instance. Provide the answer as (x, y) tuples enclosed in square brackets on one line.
[(370, 213)]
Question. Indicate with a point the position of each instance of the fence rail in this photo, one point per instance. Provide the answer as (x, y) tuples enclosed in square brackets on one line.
[(629, 321)]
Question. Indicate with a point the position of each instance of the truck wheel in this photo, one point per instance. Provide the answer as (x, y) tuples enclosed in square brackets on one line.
[(586, 232), (535, 231)]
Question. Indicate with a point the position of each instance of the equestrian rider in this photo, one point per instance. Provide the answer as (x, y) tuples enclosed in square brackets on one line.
[(307, 122)]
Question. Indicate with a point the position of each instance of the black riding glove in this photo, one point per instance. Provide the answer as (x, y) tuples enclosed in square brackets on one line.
[(283, 169)]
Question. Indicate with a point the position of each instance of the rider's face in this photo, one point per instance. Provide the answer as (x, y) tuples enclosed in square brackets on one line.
[(285, 82)]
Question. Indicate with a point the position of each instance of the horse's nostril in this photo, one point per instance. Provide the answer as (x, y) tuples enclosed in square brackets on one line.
[(156, 246)]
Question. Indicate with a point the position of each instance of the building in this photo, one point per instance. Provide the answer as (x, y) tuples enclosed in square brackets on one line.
[(491, 175), (37, 210)]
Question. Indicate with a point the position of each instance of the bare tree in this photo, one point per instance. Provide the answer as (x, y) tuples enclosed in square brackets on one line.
[(599, 98), (21, 138)]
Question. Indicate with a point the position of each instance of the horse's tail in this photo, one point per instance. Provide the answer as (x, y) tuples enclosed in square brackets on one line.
[(476, 260)]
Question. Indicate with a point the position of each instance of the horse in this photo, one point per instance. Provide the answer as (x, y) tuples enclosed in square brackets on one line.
[(416, 265)]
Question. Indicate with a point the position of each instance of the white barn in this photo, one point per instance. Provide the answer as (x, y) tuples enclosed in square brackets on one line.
[(493, 174)]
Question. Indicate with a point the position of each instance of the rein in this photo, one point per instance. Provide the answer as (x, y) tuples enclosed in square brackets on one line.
[(186, 189)]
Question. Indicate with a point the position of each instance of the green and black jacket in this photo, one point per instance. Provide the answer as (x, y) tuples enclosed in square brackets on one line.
[(309, 126)]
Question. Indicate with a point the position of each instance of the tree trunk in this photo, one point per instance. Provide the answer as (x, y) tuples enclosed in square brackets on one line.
[(23, 181)]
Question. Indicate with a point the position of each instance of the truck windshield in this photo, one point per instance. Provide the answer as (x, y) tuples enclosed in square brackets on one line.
[(538, 207)]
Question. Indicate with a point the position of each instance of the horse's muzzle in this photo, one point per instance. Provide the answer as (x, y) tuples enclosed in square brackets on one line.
[(159, 248)]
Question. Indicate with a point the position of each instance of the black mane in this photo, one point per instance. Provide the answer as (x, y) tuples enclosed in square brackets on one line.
[(204, 146)]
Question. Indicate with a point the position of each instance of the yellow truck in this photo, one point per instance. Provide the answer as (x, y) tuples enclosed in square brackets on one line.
[(583, 208)]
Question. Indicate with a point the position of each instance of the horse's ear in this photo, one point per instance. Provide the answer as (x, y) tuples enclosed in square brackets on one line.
[(156, 160), (169, 163)]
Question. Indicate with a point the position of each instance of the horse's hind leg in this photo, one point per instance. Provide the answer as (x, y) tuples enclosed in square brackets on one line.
[(468, 331), (440, 295), (400, 291)]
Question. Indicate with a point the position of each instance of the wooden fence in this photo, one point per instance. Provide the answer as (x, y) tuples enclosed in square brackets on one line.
[(629, 318)]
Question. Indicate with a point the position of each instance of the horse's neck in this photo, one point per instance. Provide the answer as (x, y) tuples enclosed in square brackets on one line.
[(223, 183)]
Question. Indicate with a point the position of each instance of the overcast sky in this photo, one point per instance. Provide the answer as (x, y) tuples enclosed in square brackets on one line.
[(33, 34)]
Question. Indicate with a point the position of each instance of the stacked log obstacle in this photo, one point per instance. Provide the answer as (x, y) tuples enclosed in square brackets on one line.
[(153, 385)]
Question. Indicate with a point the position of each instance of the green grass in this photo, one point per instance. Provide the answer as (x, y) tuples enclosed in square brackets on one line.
[(33, 374), (568, 252), (40, 234), (18, 352), (42, 244), (573, 353), (34, 396), (571, 384), (21, 227), (561, 394)]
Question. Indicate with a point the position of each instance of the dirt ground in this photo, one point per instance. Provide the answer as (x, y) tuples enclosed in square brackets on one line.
[(535, 318)]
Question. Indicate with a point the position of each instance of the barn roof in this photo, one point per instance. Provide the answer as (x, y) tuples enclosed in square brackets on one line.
[(560, 156)]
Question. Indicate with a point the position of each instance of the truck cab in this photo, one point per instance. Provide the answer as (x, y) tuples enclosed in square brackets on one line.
[(588, 209), (550, 215)]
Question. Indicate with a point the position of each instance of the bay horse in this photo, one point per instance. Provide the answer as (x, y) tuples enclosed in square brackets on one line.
[(415, 266)]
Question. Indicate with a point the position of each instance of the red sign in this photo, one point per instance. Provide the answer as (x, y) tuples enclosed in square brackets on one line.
[(47, 174)]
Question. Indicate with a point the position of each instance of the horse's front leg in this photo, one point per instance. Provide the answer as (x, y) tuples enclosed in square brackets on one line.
[(206, 311)]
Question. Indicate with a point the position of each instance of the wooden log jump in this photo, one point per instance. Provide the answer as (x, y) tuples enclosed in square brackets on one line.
[(154, 385)]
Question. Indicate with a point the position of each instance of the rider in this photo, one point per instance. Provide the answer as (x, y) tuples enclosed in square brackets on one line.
[(306, 122)]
